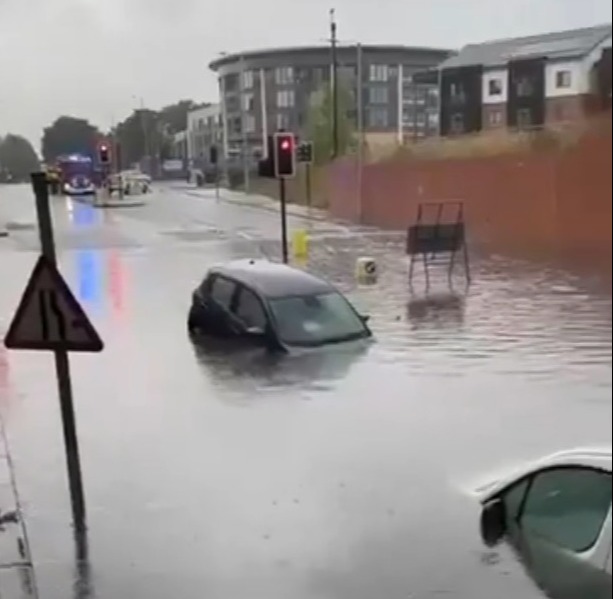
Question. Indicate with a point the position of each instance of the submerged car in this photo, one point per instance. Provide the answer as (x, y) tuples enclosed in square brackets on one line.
[(556, 515), (264, 303)]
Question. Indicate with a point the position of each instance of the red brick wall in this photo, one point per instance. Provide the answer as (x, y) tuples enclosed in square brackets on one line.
[(519, 200)]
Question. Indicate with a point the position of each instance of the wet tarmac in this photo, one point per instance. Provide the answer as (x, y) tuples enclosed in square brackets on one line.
[(335, 475)]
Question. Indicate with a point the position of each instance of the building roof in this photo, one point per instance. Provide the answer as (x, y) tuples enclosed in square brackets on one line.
[(226, 58), (573, 43), (273, 279)]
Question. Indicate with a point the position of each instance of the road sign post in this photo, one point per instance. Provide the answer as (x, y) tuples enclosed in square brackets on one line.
[(50, 318)]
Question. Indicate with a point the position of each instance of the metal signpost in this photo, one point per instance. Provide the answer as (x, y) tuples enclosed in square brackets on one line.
[(49, 318), (438, 238)]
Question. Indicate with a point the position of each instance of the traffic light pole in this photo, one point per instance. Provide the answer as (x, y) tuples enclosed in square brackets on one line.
[(308, 185), (282, 200)]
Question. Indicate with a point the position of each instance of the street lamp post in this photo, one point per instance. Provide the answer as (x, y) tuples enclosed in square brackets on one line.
[(334, 84)]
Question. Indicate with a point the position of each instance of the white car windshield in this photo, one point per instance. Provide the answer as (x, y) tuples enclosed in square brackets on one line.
[(316, 319)]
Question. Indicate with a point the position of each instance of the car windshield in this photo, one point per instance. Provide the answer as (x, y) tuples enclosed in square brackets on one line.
[(316, 319)]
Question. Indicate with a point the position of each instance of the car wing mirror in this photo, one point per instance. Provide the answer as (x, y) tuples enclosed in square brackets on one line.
[(365, 318), (493, 522)]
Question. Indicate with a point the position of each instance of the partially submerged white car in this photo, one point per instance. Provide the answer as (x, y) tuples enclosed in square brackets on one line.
[(556, 514)]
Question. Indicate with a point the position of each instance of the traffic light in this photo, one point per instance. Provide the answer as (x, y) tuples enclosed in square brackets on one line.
[(104, 154), (213, 154), (305, 152), (284, 155)]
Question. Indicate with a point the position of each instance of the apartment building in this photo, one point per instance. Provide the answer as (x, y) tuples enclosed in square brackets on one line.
[(526, 82), (266, 90), (204, 129)]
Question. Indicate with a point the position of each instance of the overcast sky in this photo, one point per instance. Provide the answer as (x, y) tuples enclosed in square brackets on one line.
[(95, 58)]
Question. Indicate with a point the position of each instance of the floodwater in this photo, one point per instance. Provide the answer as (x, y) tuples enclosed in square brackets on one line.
[(334, 475)]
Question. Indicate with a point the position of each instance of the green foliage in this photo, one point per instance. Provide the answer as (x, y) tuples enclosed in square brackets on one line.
[(147, 132), (17, 158), (320, 123), (68, 135)]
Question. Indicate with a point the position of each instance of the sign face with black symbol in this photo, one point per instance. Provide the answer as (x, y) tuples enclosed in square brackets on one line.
[(370, 268), (49, 317)]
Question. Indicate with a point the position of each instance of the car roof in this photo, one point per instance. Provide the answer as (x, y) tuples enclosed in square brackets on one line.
[(587, 457), (272, 279)]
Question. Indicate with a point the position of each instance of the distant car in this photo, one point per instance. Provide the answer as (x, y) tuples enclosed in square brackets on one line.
[(130, 182), (258, 302), (556, 514)]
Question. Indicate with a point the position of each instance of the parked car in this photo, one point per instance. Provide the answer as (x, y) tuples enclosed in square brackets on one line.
[(556, 514), (135, 182), (258, 302)]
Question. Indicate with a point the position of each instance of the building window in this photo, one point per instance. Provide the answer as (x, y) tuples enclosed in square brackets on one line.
[(457, 95), (378, 118), (247, 80), (420, 118), (249, 123), (284, 75), (494, 87), (433, 120), (524, 87), (563, 79), (248, 103), (378, 95), (494, 117), (457, 123), (285, 98), (378, 72), (282, 121)]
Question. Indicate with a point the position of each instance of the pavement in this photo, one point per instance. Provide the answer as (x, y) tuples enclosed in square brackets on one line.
[(342, 474), (252, 200), (17, 578)]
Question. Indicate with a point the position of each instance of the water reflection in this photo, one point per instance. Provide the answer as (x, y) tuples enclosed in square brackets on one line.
[(116, 282), (436, 310), (83, 588), (236, 368), (89, 273), (84, 215)]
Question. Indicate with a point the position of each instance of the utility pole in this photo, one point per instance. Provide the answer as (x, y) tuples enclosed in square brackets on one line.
[(245, 141), (360, 126), (334, 85)]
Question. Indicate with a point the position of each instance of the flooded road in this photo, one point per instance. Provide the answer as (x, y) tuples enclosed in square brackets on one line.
[(337, 475)]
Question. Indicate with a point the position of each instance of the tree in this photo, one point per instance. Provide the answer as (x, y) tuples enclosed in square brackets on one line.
[(68, 135), (141, 134), (147, 132), (17, 158), (175, 115), (320, 128)]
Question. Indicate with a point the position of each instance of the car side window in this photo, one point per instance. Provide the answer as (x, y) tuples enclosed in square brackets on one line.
[(222, 291), (250, 310), (567, 506)]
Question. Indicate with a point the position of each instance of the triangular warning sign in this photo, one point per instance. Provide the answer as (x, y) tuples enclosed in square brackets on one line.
[(49, 317)]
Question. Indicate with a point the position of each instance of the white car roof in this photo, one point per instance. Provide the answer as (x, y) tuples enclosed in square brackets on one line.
[(587, 457)]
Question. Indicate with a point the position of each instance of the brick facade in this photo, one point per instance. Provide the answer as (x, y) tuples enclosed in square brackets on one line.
[(542, 199)]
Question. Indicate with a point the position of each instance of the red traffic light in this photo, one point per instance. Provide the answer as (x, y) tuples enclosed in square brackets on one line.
[(286, 144), (103, 148)]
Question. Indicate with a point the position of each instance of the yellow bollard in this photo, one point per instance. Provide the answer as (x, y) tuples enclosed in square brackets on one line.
[(300, 244)]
